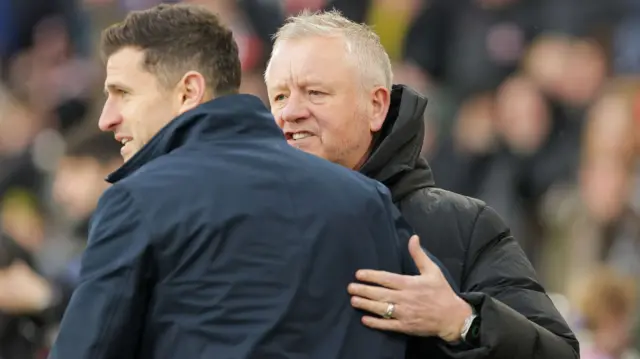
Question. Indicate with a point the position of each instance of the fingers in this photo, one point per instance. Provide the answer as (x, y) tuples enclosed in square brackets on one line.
[(382, 278), (372, 299), (379, 294), (393, 325), (372, 306)]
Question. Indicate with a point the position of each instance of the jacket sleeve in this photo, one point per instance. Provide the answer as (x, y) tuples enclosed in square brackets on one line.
[(518, 319), (104, 319)]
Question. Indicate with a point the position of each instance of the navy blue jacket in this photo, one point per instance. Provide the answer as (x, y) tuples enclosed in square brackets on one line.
[(219, 240)]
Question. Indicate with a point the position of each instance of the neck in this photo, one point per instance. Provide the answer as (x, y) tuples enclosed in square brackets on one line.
[(360, 163), (364, 157)]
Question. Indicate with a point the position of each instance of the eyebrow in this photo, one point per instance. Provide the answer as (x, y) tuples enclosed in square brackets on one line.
[(306, 82), (115, 86), (278, 85), (311, 81)]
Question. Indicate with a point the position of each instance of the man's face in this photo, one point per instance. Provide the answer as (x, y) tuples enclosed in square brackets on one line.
[(137, 106), (318, 100)]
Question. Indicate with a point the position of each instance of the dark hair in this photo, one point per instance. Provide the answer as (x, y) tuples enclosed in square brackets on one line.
[(98, 146), (176, 39)]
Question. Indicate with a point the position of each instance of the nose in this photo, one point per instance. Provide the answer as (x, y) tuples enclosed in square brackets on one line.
[(294, 110), (110, 118)]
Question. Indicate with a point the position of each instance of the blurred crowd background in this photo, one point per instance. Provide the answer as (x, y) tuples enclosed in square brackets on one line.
[(534, 108)]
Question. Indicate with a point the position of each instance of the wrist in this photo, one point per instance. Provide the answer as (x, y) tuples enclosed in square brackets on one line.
[(459, 323)]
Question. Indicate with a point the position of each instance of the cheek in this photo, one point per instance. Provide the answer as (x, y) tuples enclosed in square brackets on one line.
[(128, 112), (277, 117), (147, 117), (132, 118), (337, 126)]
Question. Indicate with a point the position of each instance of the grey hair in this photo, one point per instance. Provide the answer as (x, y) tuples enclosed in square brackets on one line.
[(361, 42)]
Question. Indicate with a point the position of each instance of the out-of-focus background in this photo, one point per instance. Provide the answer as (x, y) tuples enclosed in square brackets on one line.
[(534, 108)]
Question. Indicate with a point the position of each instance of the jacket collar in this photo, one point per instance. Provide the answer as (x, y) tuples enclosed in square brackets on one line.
[(395, 159), (218, 119)]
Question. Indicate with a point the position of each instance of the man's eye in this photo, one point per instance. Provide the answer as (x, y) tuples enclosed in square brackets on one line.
[(279, 97), (314, 93)]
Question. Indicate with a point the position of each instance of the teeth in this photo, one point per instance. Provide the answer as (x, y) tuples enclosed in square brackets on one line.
[(300, 135), (124, 141)]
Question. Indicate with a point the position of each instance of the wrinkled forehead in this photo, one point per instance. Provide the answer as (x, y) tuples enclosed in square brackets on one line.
[(310, 60)]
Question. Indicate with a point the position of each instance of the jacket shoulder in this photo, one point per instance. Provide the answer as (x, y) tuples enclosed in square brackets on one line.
[(443, 204), (451, 226)]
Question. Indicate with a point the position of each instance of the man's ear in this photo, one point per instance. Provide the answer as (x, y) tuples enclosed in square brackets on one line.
[(191, 91), (380, 101)]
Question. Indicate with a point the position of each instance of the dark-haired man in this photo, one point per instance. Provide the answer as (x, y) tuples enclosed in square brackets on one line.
[(217, 239)]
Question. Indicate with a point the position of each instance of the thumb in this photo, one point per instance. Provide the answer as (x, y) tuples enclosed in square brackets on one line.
[(420, 258)]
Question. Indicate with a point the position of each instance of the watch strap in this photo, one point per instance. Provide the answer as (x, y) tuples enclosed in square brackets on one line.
[(468, 322)]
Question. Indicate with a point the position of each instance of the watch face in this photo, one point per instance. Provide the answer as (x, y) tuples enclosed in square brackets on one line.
[(474, 331), (473, 337)]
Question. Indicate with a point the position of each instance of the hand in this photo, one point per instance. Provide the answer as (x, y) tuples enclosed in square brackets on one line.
[(22, 291), (425, 305)]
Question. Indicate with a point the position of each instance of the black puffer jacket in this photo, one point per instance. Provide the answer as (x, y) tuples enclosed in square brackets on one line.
[(518, 320)]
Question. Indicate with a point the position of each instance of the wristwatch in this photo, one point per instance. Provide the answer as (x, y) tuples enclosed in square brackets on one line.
[(470, 333)]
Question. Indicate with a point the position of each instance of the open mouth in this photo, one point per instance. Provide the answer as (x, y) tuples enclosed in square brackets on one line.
[(296, 136), (123, 140)]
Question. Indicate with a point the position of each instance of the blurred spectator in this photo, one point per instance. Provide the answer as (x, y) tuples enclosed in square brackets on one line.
[(586, 222), (470, 46), (523, 117), (43, 63), (79, 179), (18, 129), (21, 233), (26, 297), (569, 70), (607, 304)]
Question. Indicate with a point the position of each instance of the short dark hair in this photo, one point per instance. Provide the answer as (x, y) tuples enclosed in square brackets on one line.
[(98, 146), (179, 38)]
